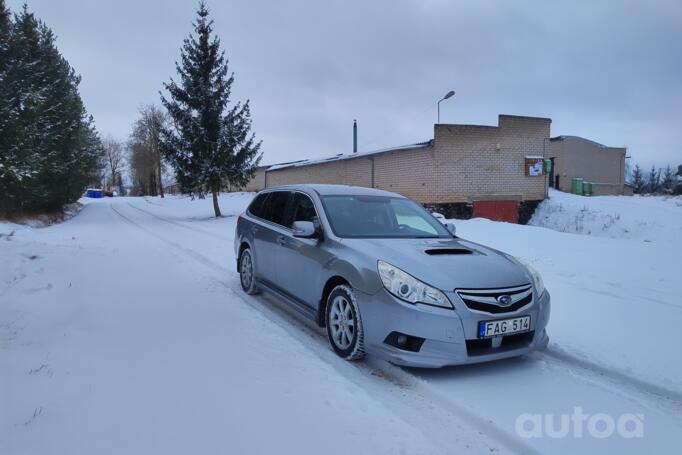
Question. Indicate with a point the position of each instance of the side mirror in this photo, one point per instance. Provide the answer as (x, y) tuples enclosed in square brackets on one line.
[(304, 229), (438, 216), (451, 227)]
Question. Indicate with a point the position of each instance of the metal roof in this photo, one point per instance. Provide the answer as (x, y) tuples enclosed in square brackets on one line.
[(348, 156), (328, 189), (578, 138)]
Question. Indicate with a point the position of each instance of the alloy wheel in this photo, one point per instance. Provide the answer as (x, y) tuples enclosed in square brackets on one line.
[(246, 270), (342, 322)]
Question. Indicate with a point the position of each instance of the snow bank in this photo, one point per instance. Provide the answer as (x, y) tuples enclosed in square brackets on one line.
[(187, 208), (653, 218), (44, 220)]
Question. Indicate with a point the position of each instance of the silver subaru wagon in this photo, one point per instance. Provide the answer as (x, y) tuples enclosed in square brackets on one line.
[(385, 277)]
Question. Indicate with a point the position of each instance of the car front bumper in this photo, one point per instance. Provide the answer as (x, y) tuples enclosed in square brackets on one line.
[(445, 331)]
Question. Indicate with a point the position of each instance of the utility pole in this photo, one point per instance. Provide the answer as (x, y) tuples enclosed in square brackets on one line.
[(355, 136)]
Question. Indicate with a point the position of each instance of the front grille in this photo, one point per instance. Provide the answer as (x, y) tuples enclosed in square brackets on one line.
[(509, 343), (489, 300)]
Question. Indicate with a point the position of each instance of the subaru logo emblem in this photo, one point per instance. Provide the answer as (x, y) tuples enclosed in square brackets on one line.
[(504, 300)]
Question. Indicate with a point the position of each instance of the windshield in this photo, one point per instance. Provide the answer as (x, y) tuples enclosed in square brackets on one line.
[(381, 217)]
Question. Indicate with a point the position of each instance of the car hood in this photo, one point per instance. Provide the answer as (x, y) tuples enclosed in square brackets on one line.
[(446, 264)]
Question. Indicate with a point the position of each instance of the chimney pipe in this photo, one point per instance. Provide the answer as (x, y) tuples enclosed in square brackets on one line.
[(355, 136)]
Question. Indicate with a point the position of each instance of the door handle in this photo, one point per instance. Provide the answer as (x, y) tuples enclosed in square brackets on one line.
[(281, 240), (254, 229)]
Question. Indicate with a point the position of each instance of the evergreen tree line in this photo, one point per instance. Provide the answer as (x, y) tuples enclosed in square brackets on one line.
[(49, 148), (656, 181)]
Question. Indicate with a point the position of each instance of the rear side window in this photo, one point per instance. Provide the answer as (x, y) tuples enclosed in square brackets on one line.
[(275, 207), (258, 205), (302, 209)]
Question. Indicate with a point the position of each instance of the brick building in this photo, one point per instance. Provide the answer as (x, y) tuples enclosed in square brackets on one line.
[(465, 170), (577, 157)]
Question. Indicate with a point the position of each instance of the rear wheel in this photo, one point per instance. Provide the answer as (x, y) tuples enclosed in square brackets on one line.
[(344, 326), (246, 272)]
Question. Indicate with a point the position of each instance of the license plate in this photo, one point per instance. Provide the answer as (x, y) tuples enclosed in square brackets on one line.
[(487, 329)]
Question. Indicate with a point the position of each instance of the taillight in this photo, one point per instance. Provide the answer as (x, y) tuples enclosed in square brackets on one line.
[(239, 218)]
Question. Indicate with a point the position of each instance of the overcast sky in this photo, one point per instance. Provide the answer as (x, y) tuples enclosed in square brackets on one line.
[(608, 71)]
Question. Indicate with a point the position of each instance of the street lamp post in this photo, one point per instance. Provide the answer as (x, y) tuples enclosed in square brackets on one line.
[(447, 95)]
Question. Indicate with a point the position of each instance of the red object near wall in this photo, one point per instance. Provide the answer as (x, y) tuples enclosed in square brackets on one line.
[(497, 210)]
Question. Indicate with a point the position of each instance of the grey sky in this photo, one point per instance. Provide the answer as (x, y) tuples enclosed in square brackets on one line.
[(608, 71)]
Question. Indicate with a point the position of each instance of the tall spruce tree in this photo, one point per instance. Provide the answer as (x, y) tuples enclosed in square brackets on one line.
[(49, 148), (653, 182), (668, 180), (637, 179), (209, 144)]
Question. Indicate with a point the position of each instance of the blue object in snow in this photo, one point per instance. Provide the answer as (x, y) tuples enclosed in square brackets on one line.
[(94, 193)]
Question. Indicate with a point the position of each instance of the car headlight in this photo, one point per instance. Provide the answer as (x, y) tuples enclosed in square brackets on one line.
[(408, 288), (535, 275)]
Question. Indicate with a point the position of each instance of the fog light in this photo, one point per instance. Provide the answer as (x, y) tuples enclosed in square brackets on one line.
[(404, 341)]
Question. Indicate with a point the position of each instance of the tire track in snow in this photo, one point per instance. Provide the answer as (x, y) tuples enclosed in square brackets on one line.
[(189, 252), (611, 375), (294, 326), (182, 225)]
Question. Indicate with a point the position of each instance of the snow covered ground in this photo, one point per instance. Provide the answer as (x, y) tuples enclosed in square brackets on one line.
[(650, 218), (124, 330), (616, 300)]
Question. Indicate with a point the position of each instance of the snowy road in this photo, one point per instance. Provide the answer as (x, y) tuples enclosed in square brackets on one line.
[(124, 330)]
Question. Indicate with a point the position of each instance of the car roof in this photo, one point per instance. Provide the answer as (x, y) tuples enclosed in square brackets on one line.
[(328, 190)]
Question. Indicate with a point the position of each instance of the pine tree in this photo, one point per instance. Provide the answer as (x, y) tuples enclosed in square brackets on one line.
[(637, 179), (209, 145), (653, 181), (5, 105), (50, 149), (668, 179), (8, 170)]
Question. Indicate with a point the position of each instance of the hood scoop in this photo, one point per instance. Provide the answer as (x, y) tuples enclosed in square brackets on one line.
[(448, 251)]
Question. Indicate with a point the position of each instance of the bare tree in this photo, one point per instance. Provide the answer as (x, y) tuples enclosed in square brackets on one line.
[(114, 157), (142, 162), (147, 167), (154, 119)]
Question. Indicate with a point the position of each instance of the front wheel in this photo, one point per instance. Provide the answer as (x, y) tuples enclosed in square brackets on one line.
[(344, 326), (246, 273)]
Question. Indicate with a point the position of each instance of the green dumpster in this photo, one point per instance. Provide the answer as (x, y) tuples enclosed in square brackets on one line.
[(577, 186)]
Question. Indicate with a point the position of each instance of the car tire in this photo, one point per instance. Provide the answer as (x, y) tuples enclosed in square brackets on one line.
[(247, 276), (344, 325)]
